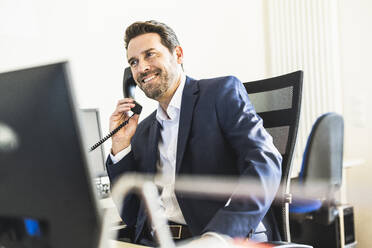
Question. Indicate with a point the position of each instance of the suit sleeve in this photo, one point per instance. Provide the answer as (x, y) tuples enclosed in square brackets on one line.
[(131, 202), (257, 159)]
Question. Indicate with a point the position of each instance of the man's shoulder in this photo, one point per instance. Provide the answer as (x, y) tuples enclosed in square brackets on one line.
[(219, 84), (217, 80)]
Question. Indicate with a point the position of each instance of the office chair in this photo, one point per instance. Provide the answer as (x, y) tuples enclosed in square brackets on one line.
[(320, 177), (278, 102)]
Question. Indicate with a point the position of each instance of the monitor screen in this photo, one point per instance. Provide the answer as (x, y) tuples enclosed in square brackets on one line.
[(47, 195), (92, 133)]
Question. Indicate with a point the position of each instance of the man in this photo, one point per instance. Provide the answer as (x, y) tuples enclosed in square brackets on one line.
[(201, 127)]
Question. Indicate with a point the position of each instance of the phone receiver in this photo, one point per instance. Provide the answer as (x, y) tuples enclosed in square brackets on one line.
[(137, 109), (129, 86)]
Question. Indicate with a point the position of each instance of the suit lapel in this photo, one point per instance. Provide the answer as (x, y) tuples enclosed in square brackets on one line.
[(154, 135), (189, 98)]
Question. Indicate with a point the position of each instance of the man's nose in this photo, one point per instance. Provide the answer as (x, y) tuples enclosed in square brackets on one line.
[(143, 66)]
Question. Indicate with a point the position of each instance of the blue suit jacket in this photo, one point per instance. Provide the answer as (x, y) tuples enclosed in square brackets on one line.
[(219, 134)]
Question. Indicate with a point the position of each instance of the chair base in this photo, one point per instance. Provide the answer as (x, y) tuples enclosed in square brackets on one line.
[(325, 215), (323, 234)]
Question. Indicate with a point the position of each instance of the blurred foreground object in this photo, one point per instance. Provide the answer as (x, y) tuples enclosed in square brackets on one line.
[(199, 187)]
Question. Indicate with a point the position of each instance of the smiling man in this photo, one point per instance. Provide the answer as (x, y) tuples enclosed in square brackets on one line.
[(201, 127)]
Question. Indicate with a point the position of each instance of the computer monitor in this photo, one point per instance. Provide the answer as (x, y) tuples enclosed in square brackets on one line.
[(47, 198), (92, 133)]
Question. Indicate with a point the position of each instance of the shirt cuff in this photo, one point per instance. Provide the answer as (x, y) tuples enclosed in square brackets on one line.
[(116, 158)]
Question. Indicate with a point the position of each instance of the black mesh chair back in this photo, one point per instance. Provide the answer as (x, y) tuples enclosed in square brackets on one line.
[(278, 102)]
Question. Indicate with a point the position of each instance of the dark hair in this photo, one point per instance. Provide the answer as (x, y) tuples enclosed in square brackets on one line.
[(167, 35)]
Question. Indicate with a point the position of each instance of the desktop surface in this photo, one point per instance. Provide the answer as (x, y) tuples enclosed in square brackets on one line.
[(120, 244)]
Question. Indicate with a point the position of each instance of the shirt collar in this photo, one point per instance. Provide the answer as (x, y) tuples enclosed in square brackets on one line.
[(174, 105)]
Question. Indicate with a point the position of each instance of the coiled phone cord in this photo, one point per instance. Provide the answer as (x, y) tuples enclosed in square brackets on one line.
[(110, 134)]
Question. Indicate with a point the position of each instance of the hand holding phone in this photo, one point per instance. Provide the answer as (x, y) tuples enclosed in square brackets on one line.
[(122, 137), (120, 132)]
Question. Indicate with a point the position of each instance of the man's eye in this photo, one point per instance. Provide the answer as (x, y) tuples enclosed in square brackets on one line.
[(133, 63), (150, 54)]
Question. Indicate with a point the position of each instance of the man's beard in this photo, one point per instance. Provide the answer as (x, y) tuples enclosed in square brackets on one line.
[(155, 90)]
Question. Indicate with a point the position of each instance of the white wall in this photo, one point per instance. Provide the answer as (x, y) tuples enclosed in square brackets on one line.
[(218, 37), (356, 54)]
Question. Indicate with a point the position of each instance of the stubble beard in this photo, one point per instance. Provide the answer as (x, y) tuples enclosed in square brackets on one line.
[(157, 89)]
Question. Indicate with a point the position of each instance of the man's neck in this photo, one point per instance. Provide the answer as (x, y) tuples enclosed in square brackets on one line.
[(167, 97)]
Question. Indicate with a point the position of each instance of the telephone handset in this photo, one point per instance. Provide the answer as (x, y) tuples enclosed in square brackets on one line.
[(129, 86)]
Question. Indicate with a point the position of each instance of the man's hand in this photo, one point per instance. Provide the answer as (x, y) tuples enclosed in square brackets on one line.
[(122, 138)]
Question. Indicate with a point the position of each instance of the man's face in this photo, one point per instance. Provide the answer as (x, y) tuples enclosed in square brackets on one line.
[(155, 69)]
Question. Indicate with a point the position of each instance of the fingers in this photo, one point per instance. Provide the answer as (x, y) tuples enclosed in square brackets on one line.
[(123, 106), (135, 118), (125, 100), (122, 138)]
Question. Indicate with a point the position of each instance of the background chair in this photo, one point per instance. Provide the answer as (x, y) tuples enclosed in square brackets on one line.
[(321, 170), (313, 220), (278, 102)]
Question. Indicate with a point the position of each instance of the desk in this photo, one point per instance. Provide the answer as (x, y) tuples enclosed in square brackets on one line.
[(119, 244), (108, 204)]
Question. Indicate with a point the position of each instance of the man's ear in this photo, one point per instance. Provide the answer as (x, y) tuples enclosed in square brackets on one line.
[(179, 53)]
